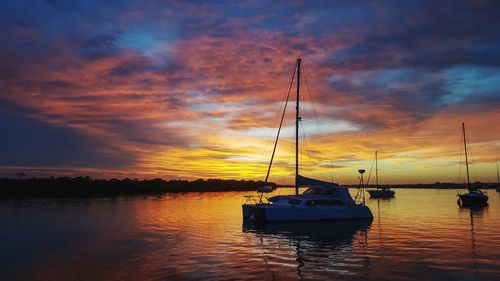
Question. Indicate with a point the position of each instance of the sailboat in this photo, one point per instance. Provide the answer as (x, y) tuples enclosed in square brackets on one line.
[(321, 201), (380, 191), (474, 197)]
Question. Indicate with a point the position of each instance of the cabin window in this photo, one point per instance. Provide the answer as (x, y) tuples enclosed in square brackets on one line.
[(294, 201), (318, 191), (322, 202), (337, 202), (330, 192), (333, 202), (309, 191), (314, 191)]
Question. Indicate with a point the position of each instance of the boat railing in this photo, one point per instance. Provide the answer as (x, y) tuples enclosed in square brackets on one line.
[(253, 199), (461, 192)]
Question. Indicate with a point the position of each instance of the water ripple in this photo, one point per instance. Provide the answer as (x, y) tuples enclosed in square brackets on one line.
[(421, 234)]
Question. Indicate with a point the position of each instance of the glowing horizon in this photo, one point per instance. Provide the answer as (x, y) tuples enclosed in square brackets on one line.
[(188, 90)]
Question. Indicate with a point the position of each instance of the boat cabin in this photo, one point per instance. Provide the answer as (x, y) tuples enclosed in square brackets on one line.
[(306, 201), (320, 191), (315, 196)]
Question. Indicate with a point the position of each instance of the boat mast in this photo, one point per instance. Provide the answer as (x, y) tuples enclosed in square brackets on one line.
[(297, 119), (498, 175), (376, 168), (466, 160)]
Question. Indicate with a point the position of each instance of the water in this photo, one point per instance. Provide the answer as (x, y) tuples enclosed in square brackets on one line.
[(421, 234)]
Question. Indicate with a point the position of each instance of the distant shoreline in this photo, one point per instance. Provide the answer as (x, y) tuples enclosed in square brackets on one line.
[(83, 187), (86, 187), (422, 186)]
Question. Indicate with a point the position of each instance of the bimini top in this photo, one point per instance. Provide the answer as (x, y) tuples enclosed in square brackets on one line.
[(340, 191), (303, 181)]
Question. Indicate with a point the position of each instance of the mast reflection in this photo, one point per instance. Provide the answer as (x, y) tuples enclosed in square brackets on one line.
[(319, 248), (474, 212)]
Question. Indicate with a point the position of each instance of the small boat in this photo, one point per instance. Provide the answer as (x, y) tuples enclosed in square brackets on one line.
[(380, 191), (321, 201), (474, 197)]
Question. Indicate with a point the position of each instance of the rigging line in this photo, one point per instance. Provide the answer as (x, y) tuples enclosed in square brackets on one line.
[(498, 175), (313, 105), (309, 151), (307, 145), (322, 140), (287, 166), (274, 125), (305, 140), (377, 169), (333, 173), (281, 122), (315, 115), (460, 160), (370, 173), (466, 156), (474, 175)]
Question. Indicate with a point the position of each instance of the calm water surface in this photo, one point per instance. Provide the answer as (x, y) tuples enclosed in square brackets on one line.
[(421, 234)]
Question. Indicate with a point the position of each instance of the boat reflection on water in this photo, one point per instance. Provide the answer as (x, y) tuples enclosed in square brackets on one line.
[(474, 213), (317, 249)]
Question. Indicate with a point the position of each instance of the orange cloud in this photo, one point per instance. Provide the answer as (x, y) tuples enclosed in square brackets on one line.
[(205, 104)]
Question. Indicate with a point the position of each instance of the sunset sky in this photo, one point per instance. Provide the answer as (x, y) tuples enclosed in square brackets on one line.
[(192, 89)]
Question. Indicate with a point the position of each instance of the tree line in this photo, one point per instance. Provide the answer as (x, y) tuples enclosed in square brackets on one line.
[(75, 187)]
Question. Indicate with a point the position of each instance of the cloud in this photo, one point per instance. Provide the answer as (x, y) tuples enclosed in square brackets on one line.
[(28, 142), (100, 46), (188, 89)]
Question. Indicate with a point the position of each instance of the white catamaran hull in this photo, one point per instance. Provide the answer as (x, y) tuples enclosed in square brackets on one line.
[(273, 213)]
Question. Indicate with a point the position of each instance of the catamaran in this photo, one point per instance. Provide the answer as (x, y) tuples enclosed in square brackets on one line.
[(380, 191), (321, 201), (474, 197)]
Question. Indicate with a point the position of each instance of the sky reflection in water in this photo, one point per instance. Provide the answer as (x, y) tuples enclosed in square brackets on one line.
[(421, 234)]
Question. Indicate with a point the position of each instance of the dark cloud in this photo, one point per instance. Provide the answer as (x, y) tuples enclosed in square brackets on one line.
[(436, 34), (136, 64), (101, 40), (148, 132), (27, 142), (410, 95), (100, 46)]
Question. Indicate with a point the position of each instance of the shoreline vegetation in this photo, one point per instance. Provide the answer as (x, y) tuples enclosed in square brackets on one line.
[(437, 185), (81, 187)]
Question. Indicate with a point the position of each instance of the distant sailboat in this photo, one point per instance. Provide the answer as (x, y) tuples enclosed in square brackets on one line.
[(321, 201), (380, 191), (474, 197)]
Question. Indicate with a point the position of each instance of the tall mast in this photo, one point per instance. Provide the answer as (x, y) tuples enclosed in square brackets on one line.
[(466, 159), (297, 119), (498, 175), (376, 167)]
